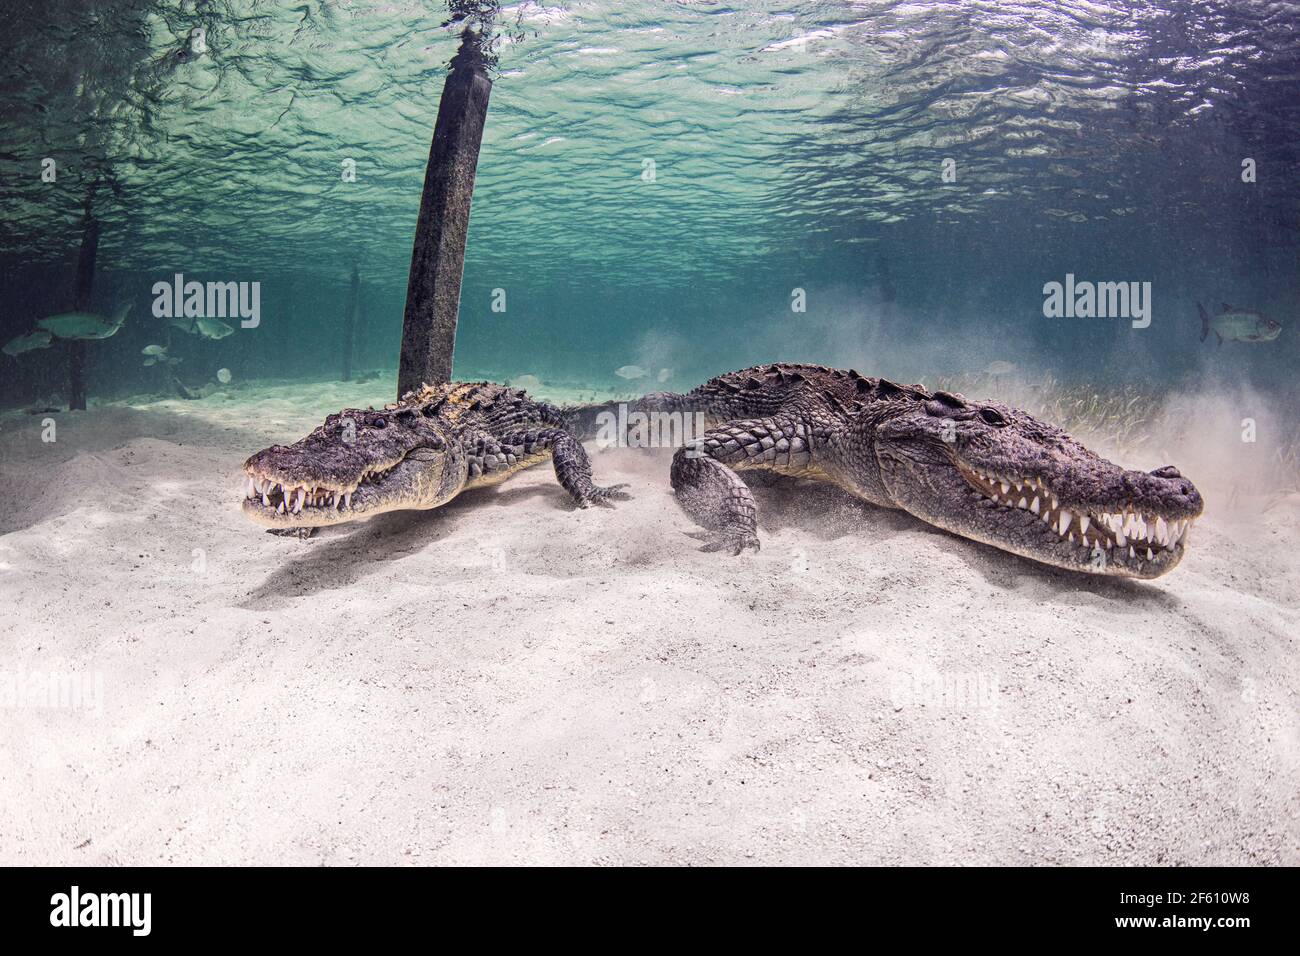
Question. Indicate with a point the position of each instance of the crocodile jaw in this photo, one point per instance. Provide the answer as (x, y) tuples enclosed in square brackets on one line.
[(1134, 524), (271, 498)]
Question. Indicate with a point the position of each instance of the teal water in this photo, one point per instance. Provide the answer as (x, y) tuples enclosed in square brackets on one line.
[(794, 146)]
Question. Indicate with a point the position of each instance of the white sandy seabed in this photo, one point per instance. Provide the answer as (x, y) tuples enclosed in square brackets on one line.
[(508, 679)]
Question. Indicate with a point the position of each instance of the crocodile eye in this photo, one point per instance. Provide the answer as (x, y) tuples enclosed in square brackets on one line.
[(379, 423), (993, 417)]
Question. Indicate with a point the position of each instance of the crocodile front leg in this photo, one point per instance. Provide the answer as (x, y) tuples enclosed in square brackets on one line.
[(573, 471), (715, 496), (521, 448)]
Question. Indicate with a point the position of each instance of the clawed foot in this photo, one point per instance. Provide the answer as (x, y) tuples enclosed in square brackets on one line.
[(733, 541), (605, 497), (302, 534)]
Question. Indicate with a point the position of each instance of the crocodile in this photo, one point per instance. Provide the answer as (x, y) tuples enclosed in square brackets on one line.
[(417, 453), (979, 469)]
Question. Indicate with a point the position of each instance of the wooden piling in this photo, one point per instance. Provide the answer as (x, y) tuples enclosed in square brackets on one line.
[(81, 303), (438, 255), (350, 324), (363, 329)]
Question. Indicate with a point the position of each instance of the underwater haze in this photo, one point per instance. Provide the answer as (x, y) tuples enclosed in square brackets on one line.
[(673, 189)]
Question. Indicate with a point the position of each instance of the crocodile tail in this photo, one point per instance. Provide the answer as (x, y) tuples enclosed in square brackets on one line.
[(586, 421), (1205, 321), (664, 402), (582, 421)]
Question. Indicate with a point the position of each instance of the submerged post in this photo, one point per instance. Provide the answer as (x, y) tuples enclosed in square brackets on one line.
[(363, 329), (350, 324), (438, 257), (85, 283)]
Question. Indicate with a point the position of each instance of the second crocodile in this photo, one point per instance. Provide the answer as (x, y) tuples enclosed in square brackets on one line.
[(982, 470), (417, 453)]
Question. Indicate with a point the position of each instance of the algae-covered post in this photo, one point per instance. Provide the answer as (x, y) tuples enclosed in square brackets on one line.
[(438, 257), (363, 328), (85, 283), (350, 324)]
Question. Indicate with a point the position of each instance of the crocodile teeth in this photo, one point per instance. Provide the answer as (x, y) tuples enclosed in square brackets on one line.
[(266, 501), (1125, 527), (347, 500), (297, 502)]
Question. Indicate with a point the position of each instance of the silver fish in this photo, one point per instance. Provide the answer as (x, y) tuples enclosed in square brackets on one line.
[(40, 339), (84, 325), (213, 328), (205, 328), (1238, 325)]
